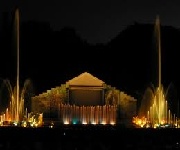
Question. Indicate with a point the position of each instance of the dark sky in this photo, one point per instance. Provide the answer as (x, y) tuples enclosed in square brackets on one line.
[(96, 20)]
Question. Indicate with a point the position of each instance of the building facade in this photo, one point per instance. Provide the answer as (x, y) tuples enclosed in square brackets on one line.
[(85, 99)]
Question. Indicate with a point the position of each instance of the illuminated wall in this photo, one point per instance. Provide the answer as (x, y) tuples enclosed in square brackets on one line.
[(86, 90), (82, 94)]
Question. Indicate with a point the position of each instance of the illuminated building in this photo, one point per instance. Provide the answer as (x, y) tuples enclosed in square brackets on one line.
[(85, 99)]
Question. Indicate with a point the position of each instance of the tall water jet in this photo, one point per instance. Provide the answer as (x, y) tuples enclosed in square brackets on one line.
[(17, 80), (16, 112), (158, 38), (157, 113), (157, 29)]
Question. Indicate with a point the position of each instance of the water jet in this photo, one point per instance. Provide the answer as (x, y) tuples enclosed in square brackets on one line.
[(154, 108)]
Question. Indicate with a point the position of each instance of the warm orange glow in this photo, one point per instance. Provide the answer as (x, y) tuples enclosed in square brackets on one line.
[(157, 115), (66, 122), (73, 114)]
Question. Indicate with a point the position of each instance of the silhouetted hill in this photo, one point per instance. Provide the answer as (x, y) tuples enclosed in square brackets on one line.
[(52, 56), (45, 55), (135, 57), (128, 61)]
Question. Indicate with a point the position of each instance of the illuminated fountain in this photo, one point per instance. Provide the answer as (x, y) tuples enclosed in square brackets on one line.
[(16, 106), (154, 111), (12, 113), (16, 112), (72, 114)]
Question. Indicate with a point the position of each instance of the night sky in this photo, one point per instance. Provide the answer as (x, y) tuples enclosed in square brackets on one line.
[(97, 21)]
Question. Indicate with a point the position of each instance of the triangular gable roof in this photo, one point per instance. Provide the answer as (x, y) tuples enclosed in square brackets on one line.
[(85, 79)]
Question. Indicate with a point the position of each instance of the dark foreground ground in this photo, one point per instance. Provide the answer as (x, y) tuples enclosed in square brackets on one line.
[(88, 138)]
